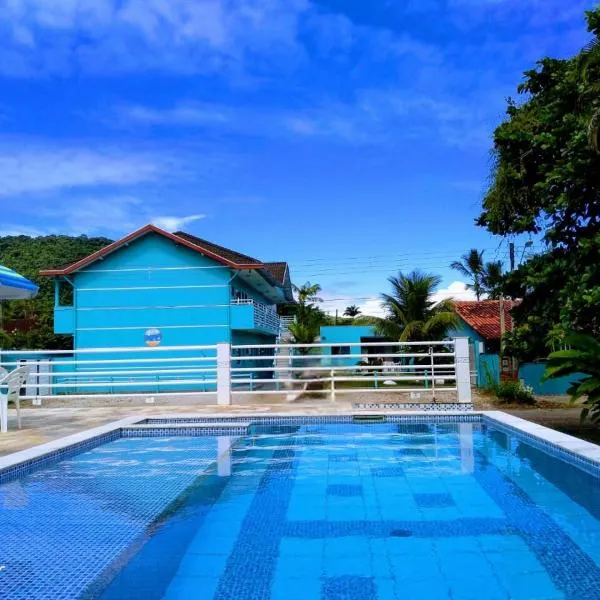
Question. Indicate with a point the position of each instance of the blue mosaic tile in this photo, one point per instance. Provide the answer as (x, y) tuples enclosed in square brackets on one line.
[(343, 457), (434, 500), (410, 452), (287, 516), (344, 489), (393, 471), (349, 588)]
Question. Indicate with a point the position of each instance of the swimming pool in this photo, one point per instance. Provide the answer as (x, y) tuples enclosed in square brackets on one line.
[(425, 509)]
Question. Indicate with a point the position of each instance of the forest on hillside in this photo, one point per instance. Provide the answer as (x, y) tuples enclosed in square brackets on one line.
[(29, 323)]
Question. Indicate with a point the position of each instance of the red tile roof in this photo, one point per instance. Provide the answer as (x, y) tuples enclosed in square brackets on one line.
[(484, 316)]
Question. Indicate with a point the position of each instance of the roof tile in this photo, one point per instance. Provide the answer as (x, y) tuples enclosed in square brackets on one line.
[(484, 316)]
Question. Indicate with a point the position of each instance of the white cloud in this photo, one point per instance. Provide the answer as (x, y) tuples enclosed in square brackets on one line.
[(175, 223), (102, 215), (457, 290), (16, 230), (109, 37), (372, 308), (181, 114), (29, 167)]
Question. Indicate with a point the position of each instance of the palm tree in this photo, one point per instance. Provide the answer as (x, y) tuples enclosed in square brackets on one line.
[(492, 280), (352, 311), (471, 266), (412, 312), (308, 293), (304, 333)]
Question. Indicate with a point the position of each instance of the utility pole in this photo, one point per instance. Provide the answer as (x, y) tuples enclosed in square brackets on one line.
[(511, 252), (336, 316)]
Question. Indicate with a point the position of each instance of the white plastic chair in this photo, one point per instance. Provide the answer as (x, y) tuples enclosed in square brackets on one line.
[(14, 381)]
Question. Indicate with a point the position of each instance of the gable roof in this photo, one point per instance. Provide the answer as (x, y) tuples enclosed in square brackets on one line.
[(484, 316), (274, 273), (225, 253), (278, 270), (281, 273)]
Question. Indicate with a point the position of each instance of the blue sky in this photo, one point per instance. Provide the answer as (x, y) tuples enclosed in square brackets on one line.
[(350, 138)]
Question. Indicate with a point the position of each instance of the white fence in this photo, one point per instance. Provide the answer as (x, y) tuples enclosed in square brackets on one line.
[(426, 369)]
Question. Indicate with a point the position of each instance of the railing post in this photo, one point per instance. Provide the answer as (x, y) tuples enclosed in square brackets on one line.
[(463, 372), (332, 377), (432, 362), (223, 373)]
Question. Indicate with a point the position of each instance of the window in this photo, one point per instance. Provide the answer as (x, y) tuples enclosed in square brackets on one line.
[(337, 350)]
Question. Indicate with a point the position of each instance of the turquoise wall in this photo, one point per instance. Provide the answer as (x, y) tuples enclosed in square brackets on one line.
[(489, 369), (114, 307), (341, 335), (532, 373), (187, 297), (481, 361)]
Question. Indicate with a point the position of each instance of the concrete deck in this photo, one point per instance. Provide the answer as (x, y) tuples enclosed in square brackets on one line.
[(45, 424)]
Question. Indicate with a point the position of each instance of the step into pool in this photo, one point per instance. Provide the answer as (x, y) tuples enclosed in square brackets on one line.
[(296, 510)]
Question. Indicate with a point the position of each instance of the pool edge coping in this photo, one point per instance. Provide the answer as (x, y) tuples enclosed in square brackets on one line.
[(586, 453)]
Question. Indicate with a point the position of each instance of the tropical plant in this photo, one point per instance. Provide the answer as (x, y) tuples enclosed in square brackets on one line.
[(471, 266), (308, 293), (304, 333), (514, 391), (412, 313), (582, 359), (492, 280), (588, 68), (308, 317), (352, 311), (546, 182)]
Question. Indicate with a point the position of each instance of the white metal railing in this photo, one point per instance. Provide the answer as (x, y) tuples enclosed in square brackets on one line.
[(106, 372), (265, 315), (366, 367), (428, 368)]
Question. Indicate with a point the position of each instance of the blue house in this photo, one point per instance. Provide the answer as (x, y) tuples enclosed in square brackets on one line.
[(173, 289), (480, 322), (338, 339)]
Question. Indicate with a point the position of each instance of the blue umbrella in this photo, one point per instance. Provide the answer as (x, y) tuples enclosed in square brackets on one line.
[(14, 286)]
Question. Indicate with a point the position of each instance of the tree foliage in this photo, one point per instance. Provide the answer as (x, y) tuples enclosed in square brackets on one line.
[(583, 357), (352, 311), (308, 316), (485, 278), (546, 182), (412, 312), (470, 266), (28, 256)]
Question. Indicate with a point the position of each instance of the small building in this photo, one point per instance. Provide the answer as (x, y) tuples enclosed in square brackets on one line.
[(343, 340), (480, 322), (154, 287)]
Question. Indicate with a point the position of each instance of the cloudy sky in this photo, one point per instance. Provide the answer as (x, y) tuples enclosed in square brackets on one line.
[(350, 138)]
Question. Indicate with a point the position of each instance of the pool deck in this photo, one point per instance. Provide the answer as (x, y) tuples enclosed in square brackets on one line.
[(41, 425)]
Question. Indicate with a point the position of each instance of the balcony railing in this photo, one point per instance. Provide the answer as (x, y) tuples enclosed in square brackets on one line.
[(265, 316)]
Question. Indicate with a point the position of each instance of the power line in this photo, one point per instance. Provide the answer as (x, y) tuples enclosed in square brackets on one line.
[(378, 257)]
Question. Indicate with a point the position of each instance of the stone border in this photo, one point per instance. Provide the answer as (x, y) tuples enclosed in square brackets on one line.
[(572, 450), (20, 462)]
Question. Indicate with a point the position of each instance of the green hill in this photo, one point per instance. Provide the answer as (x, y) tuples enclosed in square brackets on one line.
[(28, 323)]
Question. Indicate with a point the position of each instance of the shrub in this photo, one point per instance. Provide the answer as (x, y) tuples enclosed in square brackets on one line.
[(514, 391), (582, 358)]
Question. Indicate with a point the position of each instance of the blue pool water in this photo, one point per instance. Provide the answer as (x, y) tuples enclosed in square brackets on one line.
[(323, 511)]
